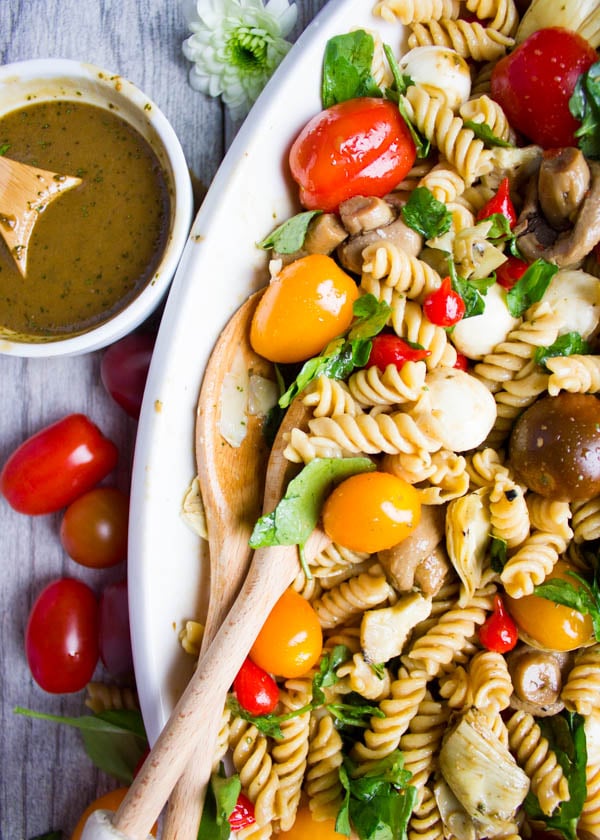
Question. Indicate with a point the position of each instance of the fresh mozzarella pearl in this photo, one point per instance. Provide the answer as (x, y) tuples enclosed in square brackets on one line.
[(575, 296), (457, 409), (477, 336), (439, 69)]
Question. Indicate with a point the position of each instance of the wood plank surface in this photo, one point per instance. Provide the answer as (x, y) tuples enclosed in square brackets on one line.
[(46, 780)]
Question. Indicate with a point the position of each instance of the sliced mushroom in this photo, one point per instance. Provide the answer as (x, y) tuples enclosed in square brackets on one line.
[(537, 238), (401, 561), (324, 234), (397, 232), (537, 678), (365, 212), (563, 181), (432, 572)]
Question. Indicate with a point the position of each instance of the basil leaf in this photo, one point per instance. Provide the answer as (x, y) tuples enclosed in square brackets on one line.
[(484, 132), (289, 237), (115, 739), (498, 554), (395, 94), (295, 517), (566, 736), (530, 287), (221, 798), (347, 68), (425, 214), (343, 355), (473, 293), (569, 344), (584, 105)]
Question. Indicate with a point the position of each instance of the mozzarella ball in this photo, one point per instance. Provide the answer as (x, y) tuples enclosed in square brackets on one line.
[(439, 69), (477, 336), (575, 296)]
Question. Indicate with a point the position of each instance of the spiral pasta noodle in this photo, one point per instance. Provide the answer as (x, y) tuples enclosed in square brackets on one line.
[(410, 11), (328, 396), (350, 598), (509, 514), (422, 740), (358, 675), (503, 14), (590, 813), (392, 267), (410, 322), (532, 563), (576, 374), (290, 752), (580, 692), (370, 387), (586, 520), (532, 752), (322, 781), (469, 39), (483, 109), (253, 763), (490, 683)]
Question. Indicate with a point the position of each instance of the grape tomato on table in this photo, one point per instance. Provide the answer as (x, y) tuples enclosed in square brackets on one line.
[(53, 467), (124, 370), (94, 528), (114, 637)]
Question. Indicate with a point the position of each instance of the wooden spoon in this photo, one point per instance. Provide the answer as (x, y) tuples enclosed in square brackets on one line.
[(232, 481), (25, 192), (194, 723)]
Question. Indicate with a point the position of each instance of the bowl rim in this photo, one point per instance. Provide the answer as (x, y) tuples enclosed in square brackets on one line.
[(143, 305)]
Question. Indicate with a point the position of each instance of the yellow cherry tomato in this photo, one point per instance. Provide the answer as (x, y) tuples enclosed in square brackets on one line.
[(542, 623), (305, 828), (371, 511), (291, 639), (110, 802), (307, 305)]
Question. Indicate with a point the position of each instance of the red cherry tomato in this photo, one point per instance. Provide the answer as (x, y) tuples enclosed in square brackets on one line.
[(255, 689), (243, 813), (390, 349), (499, 632), (444, 307), (358, 147), (500, 203), (124, 369), (534, 83), (61, 638), (93, 530), (53, 467), (510, 271), (462, 362), (113, 633)]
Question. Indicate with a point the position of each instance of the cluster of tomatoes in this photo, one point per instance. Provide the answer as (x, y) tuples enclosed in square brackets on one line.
[(60, 468)]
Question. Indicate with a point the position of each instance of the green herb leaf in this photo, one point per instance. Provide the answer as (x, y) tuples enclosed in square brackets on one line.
[(565, 345), (347, 68), (566, 736), (498, 554), (584, 597), (473, 293), (221, 798), (354, 714), (396, 93), (530, 287), (326, 675), (4, 149), (115, 739), (484, 132), (289, 237), (584, 105), (344, 354), (425, 214), (295, 517), (377, 805)]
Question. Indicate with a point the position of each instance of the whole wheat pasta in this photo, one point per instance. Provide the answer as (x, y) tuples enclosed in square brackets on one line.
[(322, 782)]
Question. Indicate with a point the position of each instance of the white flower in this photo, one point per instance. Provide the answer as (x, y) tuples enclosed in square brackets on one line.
[(235, 46)]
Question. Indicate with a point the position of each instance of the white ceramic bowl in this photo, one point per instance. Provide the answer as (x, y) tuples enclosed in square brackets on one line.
[(42, 80)]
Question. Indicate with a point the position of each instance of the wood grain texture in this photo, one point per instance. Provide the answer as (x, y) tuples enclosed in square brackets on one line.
[(46, 779)]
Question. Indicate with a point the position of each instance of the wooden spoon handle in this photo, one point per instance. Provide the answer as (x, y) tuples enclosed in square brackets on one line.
[(194, 723)]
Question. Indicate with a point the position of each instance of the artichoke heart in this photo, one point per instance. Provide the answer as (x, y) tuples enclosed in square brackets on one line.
[(468, 538), (482, 773), (582, 16)]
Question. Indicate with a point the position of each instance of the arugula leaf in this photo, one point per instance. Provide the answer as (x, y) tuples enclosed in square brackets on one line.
[(327, 674), (585, 598), (584, 105), (395, 94), (354, 712), (344, 354), (221, 797), (115, 739), (377, 805), (484, 132), (501, 233), (498, 554), (295, 517), (425, 214), (269, 724), (565, 345), (289, 237), (530, 287), (347, 68), (566, 736)]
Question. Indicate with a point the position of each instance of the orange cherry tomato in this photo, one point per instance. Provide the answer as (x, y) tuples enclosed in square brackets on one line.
[(544, 624), (110, 801), (358, 147), (371, 511), (291, 639), (307, 305), (305, 828)]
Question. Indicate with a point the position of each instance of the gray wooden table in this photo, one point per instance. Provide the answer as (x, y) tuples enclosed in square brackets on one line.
[(46, 780)]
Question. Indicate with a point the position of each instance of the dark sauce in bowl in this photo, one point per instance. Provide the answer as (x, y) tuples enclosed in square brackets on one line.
[(96, 247)]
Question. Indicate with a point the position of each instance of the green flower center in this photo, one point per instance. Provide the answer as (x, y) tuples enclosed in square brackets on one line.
[(246, 49)]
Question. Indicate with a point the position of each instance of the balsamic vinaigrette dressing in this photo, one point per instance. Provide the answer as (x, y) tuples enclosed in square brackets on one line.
[(95, 248)]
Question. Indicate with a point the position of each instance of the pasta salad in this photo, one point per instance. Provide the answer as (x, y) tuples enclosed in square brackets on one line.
[(435, 668)]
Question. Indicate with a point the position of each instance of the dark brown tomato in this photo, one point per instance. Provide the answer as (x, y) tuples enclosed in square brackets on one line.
[(555, 447)]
